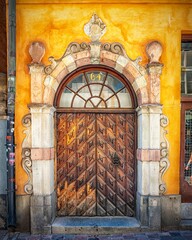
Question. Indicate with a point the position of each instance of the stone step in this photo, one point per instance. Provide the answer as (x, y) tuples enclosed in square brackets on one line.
[(95, 225), (186, 224)]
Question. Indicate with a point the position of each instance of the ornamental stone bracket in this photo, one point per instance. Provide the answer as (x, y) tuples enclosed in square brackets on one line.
[(164, 154), (26, 153), (144, 80)]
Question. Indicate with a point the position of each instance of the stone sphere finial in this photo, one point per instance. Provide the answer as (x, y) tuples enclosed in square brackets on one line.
[(37, 51), (154, 50)]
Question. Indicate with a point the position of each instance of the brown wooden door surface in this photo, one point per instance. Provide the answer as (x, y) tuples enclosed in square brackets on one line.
[(186, 150), (95, 164)]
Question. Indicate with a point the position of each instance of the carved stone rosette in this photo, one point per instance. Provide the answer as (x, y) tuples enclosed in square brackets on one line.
[(164, 154), (26, 153)]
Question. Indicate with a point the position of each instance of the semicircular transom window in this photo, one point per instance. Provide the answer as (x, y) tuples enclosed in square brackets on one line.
[(95, 89)]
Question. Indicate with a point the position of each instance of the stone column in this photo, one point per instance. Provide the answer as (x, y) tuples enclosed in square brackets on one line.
[(148, 156), (42, 155)]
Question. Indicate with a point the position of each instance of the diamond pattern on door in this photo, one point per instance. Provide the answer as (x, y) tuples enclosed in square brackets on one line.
[(95, 164)]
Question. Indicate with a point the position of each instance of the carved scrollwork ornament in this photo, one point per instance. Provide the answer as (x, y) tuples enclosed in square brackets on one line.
[(75, 47), (26, 120), (27, 166), (48, 69), (26, 153), (164, 152), (115, 47)]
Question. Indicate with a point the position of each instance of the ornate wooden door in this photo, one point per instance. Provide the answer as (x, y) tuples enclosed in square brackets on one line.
[(95, 164)]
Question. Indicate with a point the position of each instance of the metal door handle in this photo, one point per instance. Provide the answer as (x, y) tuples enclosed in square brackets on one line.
[(115, 159)]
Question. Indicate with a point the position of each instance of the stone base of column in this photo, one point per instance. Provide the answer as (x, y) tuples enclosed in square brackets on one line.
[(154, 208), (149, 211), (43, 211), (142, 209), (171, 211)]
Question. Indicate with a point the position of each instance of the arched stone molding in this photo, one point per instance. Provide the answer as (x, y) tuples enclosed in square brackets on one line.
[(76, 57)]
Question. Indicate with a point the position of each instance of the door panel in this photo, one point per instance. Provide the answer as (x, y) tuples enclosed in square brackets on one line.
[(95, 164)]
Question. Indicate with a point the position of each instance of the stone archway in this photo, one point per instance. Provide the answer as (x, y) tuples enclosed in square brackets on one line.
[(44, 84)]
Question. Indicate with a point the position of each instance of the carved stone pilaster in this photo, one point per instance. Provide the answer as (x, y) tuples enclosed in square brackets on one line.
[(3, 94), (154, 71), (154, 67), (26, 153), (37, 77), (164, 154), (37, 51)]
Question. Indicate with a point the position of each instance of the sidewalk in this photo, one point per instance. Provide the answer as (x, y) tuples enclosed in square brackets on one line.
[(171, 235)]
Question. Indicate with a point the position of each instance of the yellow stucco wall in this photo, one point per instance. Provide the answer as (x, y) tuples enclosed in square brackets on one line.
[(132, 25)]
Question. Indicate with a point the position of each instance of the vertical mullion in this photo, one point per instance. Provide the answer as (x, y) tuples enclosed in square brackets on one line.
[(185, 74)]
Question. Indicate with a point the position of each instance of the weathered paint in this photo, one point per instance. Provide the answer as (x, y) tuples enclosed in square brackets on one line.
[(132, 25)]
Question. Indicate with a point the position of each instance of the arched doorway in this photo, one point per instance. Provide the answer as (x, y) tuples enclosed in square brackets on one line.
[(95, 129)]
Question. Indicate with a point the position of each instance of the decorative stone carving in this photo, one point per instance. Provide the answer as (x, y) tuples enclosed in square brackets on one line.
[(164, 154), (115, 47), (37, 51), (37, 76), (75, 47), (154, 51), (154, 71), (26, 153), (27, 166), (95, 28)]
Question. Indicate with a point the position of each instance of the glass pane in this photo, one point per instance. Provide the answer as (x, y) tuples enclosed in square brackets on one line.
[(89, 104), (66, 98), (182, 58), (188, 146), (96, 77), (106, 93), (189, 82), (85, 93), (189, 58), (77, 82), (78, 102), (182, 87), (112, 102), (95, 89), (95, 101), (101, 104), (186, 46), (114, 83), (125, 99)]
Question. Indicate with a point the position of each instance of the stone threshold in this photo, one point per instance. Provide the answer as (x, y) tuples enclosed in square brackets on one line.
[(186, 224), (95, 225)]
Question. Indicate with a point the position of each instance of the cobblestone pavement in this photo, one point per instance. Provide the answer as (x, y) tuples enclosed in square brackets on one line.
[(171, 235)]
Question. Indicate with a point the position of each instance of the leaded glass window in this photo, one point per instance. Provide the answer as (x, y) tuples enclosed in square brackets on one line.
[(95, 89)]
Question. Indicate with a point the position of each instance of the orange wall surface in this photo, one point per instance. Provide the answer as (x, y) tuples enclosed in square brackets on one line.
[(133, 25)]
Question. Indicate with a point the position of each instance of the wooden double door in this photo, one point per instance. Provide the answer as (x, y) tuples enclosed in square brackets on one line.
[(96, 164)]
